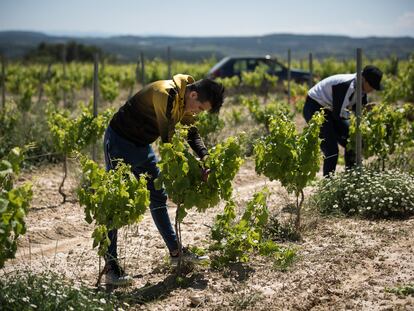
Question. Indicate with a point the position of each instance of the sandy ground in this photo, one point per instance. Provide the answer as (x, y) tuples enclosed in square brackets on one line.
[(342, 263)]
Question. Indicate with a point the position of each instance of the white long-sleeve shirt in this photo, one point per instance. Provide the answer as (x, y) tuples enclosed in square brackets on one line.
[(336, 93)]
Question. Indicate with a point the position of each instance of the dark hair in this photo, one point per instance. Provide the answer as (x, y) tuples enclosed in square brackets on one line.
[(209, 90)]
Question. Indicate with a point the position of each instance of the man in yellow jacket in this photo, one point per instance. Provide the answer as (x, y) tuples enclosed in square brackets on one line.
[(151, 113)]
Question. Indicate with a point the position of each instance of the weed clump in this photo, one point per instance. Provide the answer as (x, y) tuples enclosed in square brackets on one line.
[(366, 192), (50, 291)]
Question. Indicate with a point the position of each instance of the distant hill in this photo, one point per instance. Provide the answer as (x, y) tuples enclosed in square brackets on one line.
[(14, 44)]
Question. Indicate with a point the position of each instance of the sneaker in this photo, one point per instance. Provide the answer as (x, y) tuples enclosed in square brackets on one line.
[(188, 256), (116, 276)]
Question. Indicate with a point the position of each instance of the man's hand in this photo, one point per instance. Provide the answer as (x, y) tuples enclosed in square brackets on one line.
[(204, 171), (369, 106), (204, 174)]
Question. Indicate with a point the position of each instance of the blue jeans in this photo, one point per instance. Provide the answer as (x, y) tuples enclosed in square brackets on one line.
[(142, 160), (332, 133)]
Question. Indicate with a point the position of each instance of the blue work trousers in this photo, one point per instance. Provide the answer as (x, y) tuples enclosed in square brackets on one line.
[(142, 160)]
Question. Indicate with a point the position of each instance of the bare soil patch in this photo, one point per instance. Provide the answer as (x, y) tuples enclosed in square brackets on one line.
[(342, 263)]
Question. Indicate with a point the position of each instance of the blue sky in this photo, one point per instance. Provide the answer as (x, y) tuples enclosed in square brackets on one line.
[(356, 18)]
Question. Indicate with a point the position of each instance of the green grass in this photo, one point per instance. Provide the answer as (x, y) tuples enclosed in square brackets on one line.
[(403, 290)]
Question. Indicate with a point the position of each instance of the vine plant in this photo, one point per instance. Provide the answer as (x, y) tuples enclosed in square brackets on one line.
[(112, 199), (14, 204), (385, 130), (74, 134), (290, 157), (180, 174)]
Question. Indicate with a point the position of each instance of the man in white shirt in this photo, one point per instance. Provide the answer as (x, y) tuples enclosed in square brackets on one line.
[(336, 96)]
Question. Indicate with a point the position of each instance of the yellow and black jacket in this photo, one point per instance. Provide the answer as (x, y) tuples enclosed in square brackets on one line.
[(154, 111)]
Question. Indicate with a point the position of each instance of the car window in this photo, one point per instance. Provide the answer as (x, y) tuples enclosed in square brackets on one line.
[(276, 66), (220, 64), (266, 64), (251, 64), (239, 66)]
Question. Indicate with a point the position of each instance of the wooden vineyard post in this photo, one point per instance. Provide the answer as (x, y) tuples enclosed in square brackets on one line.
[(358, 107), (169, 62), (64, 74), (289, 75), (3, 81), (142, 69), (95, 98), (310, 70)]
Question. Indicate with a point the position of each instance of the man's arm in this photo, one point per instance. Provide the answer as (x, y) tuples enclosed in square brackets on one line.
[(364, 100), (193, 137), (196, 142), (365, 104)]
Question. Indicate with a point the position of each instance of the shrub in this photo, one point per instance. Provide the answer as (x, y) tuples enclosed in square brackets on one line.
[(366, 192), (14, 204), (279, 231), (49, 291), (235, 239)]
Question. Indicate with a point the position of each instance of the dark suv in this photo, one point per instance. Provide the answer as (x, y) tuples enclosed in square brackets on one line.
[(234, 66)]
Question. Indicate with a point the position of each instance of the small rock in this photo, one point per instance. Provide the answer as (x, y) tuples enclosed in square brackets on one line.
[(196, 300), (324, 299), (349, 305)]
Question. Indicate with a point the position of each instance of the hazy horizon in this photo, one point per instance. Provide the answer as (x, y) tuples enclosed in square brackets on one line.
[(353, 18), (81, 34)]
